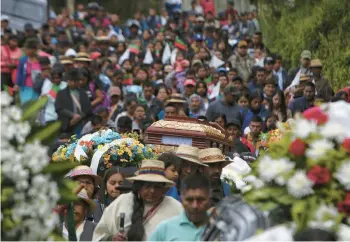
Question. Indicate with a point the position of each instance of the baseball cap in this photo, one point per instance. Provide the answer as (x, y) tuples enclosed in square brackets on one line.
[(189, 82), (242, 43), (221, 69), (200, 19), (4, 18), (306, 54), (114, 91), (196, 61), (269, 60)]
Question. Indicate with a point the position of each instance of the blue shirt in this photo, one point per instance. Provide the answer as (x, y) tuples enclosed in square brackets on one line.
[(178, 228), (172, 192)]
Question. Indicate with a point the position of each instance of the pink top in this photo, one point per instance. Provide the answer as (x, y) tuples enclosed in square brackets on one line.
[(8, 57), (32, 70)]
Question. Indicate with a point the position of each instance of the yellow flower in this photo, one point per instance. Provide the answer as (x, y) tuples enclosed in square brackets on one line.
[(120, 152), (141, 146), (149, 150), (99, 147), (139, 150), (123, 160)]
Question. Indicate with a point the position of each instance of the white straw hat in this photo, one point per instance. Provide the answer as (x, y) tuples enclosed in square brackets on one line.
[(189, 153), (211, 155), (151, 171)]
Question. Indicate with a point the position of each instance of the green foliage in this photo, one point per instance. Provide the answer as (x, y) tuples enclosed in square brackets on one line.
[(322, 26)]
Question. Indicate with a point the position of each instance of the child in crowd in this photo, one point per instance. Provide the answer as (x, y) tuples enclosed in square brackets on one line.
[(171, 165)]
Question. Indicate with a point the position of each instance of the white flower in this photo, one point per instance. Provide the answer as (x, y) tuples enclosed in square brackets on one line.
[(299, 185), (303, 128), (343, 174), (319, 148), (281, 181), (325, 217), (343, 233), (256, 182), (332, 130), (270, 169), (15, 113), (6, 99), (235, 171)]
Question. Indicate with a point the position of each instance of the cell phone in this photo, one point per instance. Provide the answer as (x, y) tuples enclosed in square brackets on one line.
[(121, 222)]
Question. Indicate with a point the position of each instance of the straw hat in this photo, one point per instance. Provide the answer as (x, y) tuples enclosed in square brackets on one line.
[(84, 196), (211, 155), (304, 77), (102, 38), (84, 171), (151, 171), (175, 98), (65, 60), (315, 63), (82, 56), (189, 153)]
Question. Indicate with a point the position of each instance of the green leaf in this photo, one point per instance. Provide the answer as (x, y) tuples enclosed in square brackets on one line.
[(268, 206), (34, 108), (285, 199), (263, 193), (299, 213), (45, 133)]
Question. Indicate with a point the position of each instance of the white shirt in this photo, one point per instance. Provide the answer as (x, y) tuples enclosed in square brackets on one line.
[(50, 110), (109, 223), (78, 231)]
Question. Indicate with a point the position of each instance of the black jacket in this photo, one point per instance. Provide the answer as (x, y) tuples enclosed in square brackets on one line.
[(65, 108)]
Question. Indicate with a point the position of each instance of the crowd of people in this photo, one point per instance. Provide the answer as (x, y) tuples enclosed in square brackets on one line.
[(98, 72)]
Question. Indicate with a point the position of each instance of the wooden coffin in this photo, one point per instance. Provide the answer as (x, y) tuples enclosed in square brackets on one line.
[(171, 132)]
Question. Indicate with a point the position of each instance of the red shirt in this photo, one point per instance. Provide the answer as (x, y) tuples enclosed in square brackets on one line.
[(208, 6)]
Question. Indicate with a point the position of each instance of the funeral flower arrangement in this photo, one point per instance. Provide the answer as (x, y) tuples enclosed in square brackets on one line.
[(307, 172), (104, 149), (29, 189), (79, 150)]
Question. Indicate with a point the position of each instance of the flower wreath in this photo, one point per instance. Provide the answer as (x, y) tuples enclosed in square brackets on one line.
[(307, 172), (104, 149)]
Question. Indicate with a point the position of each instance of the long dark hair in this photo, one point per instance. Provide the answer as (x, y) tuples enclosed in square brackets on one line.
[(102, 192), (137, 231), (283, 107)]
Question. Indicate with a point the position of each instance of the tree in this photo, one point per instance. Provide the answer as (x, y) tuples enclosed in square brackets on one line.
[(322, 26)]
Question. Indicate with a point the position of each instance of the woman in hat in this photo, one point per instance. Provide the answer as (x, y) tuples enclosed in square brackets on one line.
[(83, 228), (85, 177), (144, 208)]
